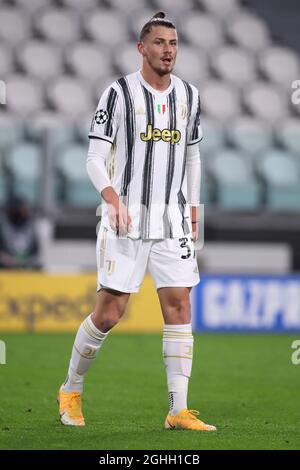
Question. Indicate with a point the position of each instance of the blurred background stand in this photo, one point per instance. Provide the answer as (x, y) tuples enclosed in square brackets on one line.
[(56, 59)]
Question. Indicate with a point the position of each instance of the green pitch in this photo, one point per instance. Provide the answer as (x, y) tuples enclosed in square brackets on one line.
[(244, 384)]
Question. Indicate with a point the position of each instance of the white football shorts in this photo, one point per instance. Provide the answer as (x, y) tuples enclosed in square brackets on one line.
[(122, 262)]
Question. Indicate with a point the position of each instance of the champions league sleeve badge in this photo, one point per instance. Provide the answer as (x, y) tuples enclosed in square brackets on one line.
[(101, 116)]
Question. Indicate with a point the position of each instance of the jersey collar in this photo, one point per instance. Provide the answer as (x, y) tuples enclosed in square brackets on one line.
[(153, 90)]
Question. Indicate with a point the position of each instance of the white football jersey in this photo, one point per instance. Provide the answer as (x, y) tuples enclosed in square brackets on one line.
[(149, 131)]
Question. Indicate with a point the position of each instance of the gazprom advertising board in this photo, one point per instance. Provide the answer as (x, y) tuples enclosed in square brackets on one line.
[(247, 303)]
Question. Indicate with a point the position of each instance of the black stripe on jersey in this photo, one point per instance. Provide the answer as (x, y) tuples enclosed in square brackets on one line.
[(147, 180), (195, 142), (189, 100), (182, 205), (180, 195), (171, 164), (195, 131), (99, 138), (110, 107), (181, 199), (129, 137)]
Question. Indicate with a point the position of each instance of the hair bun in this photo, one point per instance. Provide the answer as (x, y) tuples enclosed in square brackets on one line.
[(159, 19), (159, 14)]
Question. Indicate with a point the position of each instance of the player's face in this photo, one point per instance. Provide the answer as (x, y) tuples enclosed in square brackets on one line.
[(159, 49)]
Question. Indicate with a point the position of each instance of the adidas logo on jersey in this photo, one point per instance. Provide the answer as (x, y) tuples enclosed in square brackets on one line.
[(140, 110), (155, 134)]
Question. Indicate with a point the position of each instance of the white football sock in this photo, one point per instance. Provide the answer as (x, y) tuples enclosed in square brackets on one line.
[(178, 357), (87, 343)]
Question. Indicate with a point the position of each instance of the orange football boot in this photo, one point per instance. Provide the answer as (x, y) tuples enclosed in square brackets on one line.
[(70, 408), (187, 419)]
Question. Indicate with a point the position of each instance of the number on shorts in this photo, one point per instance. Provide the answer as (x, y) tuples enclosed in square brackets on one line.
[(184, 244)]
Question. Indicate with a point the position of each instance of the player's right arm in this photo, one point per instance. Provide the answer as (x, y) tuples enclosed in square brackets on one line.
[(103, 131)]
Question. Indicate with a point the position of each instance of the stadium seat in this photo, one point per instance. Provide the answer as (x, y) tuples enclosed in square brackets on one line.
[(105, 26), (88, 60), (250, 135), (234, 64), (59, 25), (248, 31), (128, 59), (23, 163), (82, 127), (40, 59), (222, 8), (172, 8), (77, 189), (280, 65), (266, 101), (213, 136), (32, 5), (79, 5), (201, 30), (236, 186), (24, 94), (6, 61), (191, 64), (288, 134), (11, 130), (220, 100), (14, 25), (60, 131), (70, 96), (280, 171), (130, 5)]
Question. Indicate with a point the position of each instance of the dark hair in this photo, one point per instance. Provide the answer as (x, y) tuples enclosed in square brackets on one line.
[(159, 19)]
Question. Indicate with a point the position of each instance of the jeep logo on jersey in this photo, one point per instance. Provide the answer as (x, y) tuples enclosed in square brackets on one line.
[(101, 116), (167, 135)]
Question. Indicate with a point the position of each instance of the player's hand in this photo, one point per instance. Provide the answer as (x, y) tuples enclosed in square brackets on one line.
[(195, 219), (195, 231), (118, 215), (119, 218)]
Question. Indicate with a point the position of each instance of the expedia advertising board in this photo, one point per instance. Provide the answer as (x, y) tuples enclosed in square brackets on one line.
[(247, 303), (44, 302)]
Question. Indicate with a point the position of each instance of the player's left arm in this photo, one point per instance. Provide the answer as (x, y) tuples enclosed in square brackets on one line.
[(193, 172), (193, 164)]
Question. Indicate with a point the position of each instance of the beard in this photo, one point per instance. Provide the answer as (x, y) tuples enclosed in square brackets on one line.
[(162, 72), (163, 69)]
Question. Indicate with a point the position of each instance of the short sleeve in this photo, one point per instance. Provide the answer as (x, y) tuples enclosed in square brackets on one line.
[(105, 122), (195, 133)]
